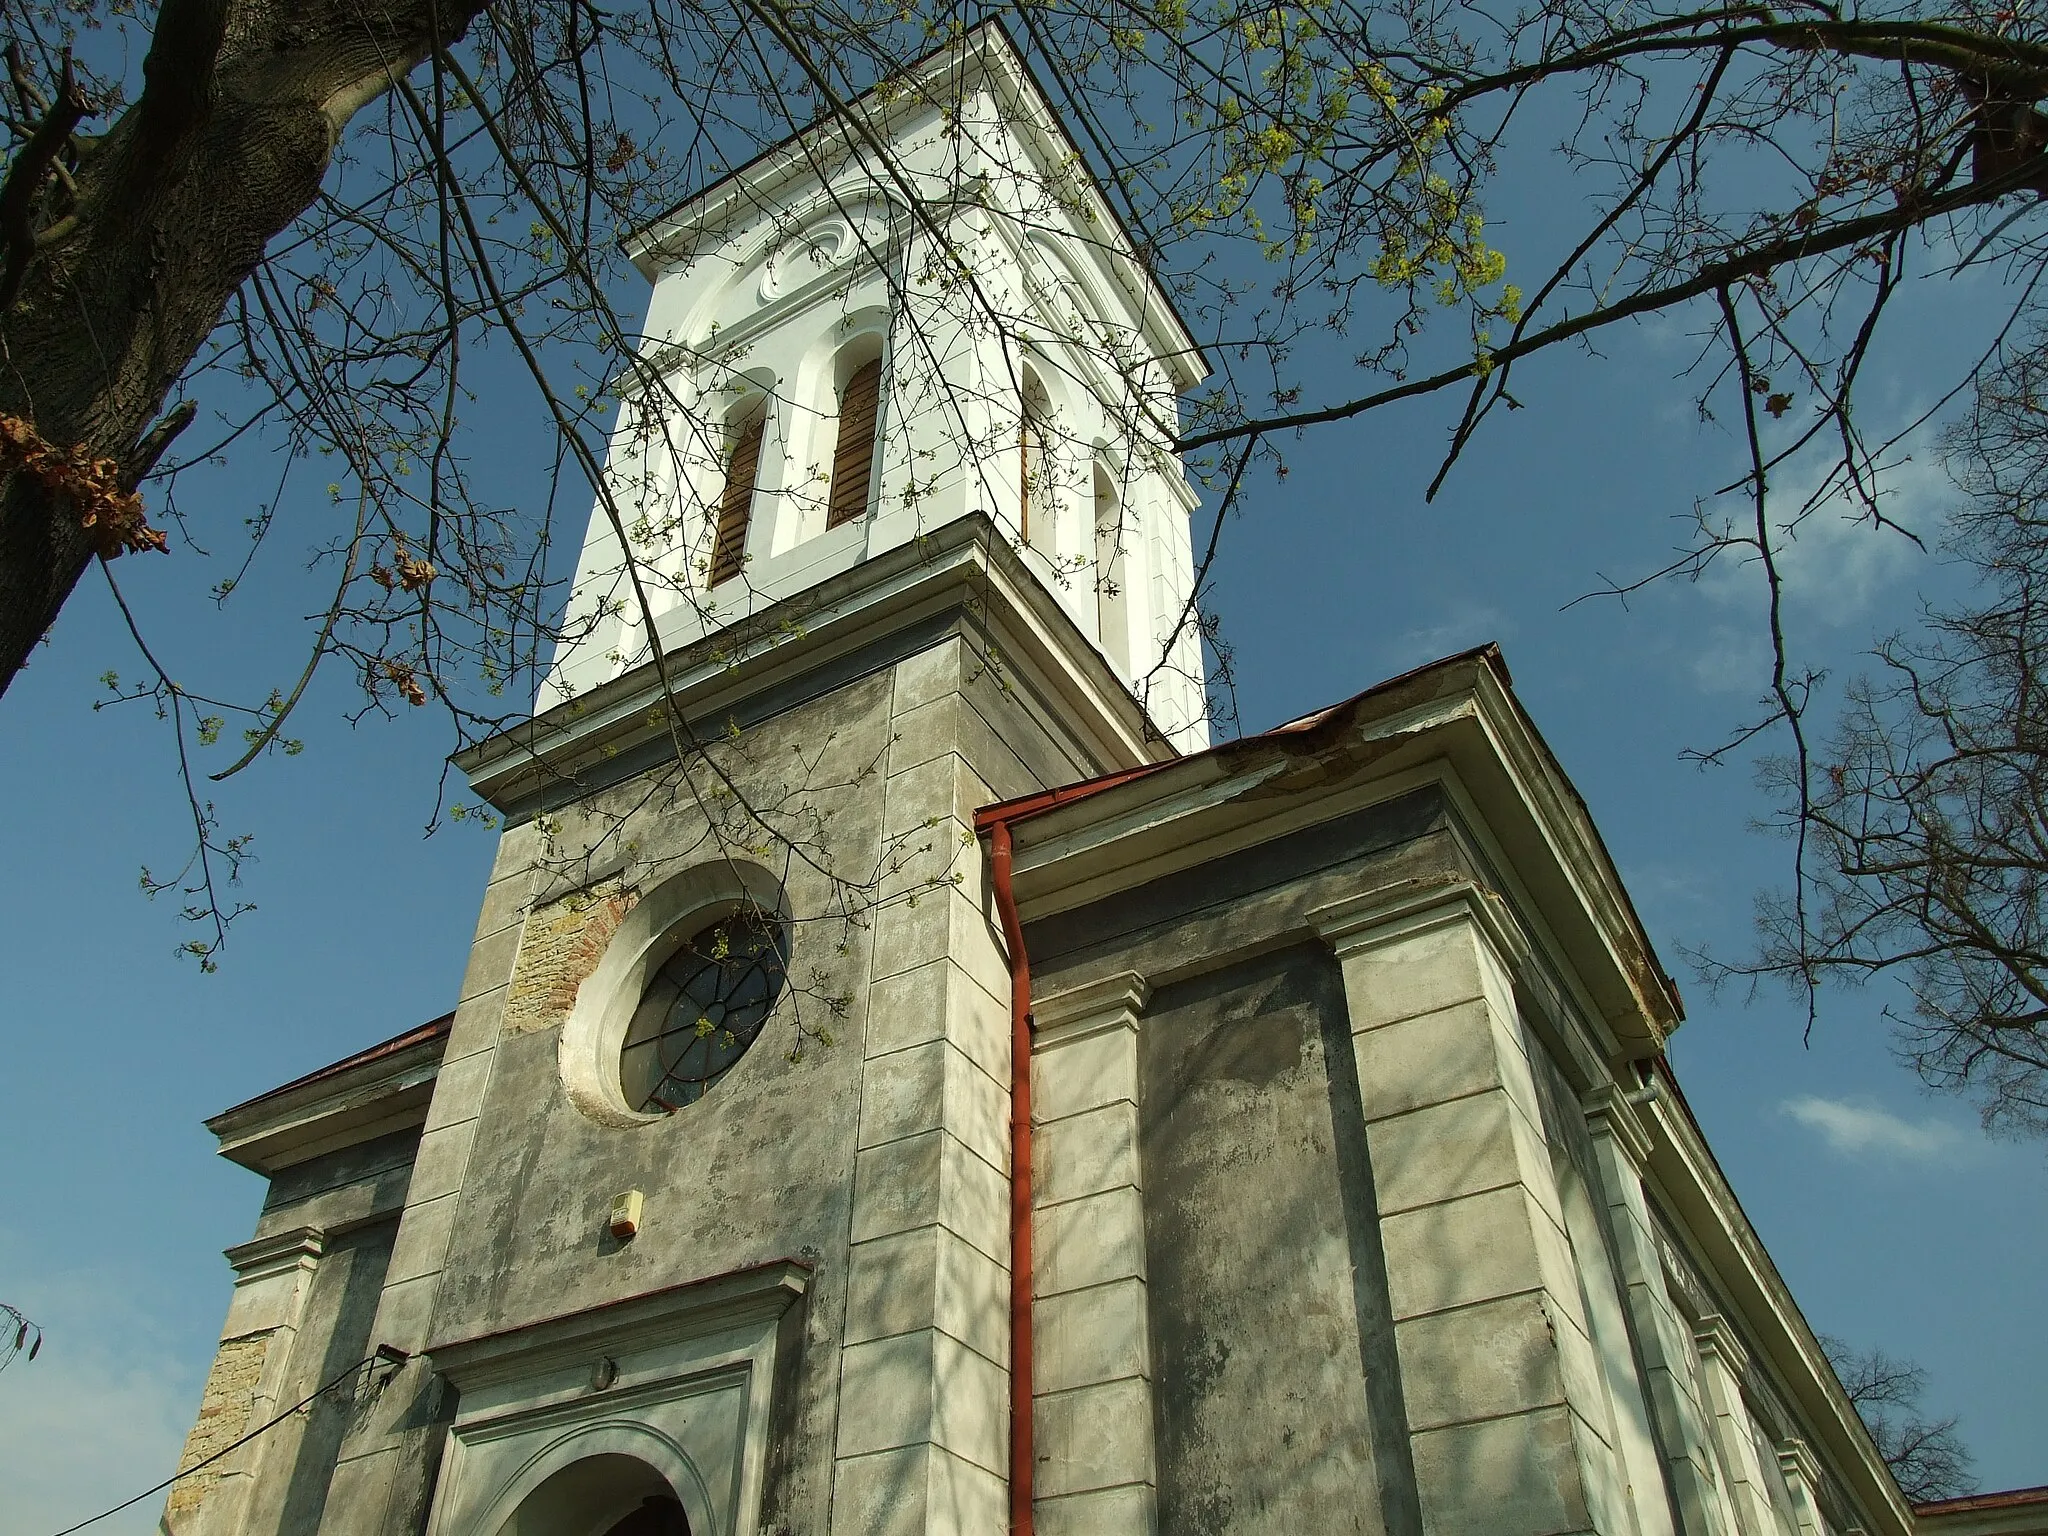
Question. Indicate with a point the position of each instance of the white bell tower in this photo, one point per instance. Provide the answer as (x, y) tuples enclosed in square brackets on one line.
[(868, 334)]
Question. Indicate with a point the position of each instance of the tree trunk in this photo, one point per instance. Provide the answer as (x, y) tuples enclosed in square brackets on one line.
[(242, 104)]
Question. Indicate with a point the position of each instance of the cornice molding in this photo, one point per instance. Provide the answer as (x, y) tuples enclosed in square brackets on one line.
[(985, 56), (1410, 908), (1452, 724), (1685, 1181), (1095, 1007), (357, 1104), (277, 1254), (694, 1309), (1796, 1460), (963, 571), (1609, 1113), (1714, 1337)]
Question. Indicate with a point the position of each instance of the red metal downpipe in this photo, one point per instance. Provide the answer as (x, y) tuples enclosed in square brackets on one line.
[(1022, 1462), (995, 820)]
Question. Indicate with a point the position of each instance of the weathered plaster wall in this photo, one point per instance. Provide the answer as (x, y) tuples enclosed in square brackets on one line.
[(226, 1404), (878, 1160), (1278, 1391), (341, 1189), (1260, 1331), (759, 1169)]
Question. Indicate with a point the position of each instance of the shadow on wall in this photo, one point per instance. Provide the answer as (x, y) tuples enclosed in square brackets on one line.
[(1273, 1351)]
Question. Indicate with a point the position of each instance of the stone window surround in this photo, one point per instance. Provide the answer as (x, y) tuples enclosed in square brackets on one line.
[(595, 1030)]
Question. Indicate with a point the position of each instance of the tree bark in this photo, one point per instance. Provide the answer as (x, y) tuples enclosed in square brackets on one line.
[(242, 104)]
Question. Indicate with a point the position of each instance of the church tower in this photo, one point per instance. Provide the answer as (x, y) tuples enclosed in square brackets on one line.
[(907, 1082), (860, 339), (703, 1193)]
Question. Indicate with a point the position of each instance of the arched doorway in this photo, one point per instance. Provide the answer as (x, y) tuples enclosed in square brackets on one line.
[(659, 1514), (604, 1495)]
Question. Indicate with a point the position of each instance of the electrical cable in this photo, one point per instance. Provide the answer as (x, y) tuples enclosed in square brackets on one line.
[(384, 1352)]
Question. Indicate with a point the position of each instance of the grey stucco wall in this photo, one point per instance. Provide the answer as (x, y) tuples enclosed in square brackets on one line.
[(339, 1189), (763, 1167), (1262, 1306), (1172, 923), (1279, 1400)]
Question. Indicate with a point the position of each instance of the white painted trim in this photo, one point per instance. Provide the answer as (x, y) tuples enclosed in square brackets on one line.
[(983, 58), (292, 1125), (280, 1253), (640, 1377), (1408, 909), (962, 567), (1113, 1002), (1468, 732), (587, 1051), (1609, 1113), (1684, 1180)]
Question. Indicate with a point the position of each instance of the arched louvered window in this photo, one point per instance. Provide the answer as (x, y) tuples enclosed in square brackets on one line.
[(1034, 500), (1112, 612), (742, 468), (853, 459)]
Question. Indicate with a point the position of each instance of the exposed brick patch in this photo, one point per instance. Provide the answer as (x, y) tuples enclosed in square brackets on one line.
[(224, 1409), (561, 946)]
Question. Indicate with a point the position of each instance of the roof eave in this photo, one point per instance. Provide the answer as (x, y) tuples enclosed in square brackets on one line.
[(1458, 714), (376, 1092)]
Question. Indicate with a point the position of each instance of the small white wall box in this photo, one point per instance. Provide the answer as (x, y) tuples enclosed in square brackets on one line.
[(626, 1213)]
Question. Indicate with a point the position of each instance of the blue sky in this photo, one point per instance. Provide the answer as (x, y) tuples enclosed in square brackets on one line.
[(1894, 1221)]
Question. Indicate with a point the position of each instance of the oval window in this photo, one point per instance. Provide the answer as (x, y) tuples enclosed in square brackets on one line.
[(704, 1008)]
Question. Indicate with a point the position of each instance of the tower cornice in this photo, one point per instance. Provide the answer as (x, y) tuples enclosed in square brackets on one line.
[(961, 575)]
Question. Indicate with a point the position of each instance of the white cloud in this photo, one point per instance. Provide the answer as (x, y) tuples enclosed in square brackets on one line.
[(1835, 563), (1463, 625), (97, 1417), (1853, 1129), (1731, 659)]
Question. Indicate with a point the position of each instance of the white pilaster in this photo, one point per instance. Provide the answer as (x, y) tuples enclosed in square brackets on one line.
[(1621, 1148), (924, 1375), (1499, 1374), (1092, 1372), (1722, 1363), (1802, 1476)]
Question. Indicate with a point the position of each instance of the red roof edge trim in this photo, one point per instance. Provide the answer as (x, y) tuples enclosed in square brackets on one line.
[(419, 1034), (2008, 1498), (1047, 799), (1065, 794)]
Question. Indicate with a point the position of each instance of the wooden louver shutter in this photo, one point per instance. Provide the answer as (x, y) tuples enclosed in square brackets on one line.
[(853, 459), (728, 552)]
